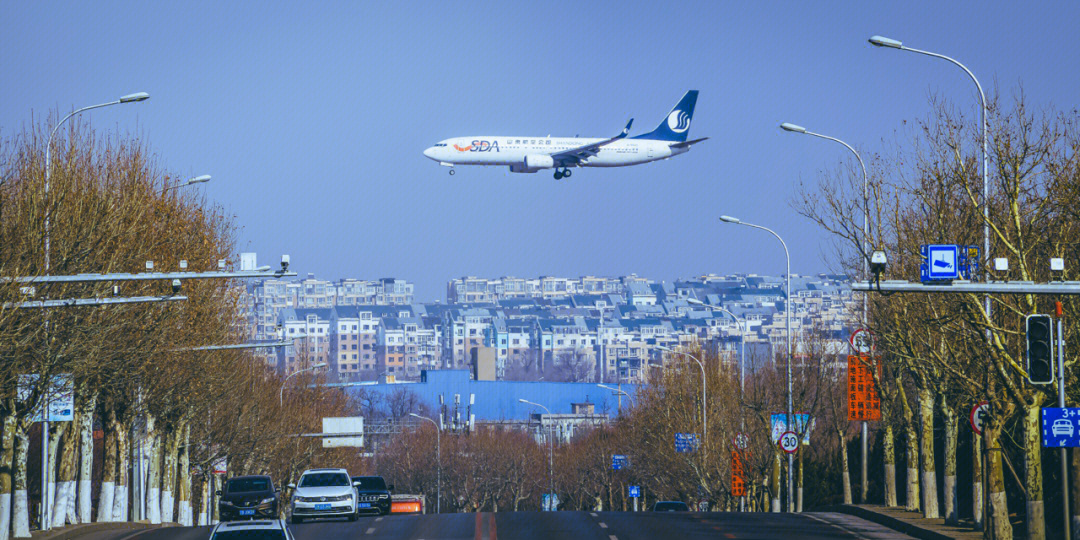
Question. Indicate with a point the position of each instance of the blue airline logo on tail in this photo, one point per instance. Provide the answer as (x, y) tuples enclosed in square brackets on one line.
[(678, 121)]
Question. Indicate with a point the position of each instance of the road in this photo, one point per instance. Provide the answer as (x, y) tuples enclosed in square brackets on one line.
[(574, 525)]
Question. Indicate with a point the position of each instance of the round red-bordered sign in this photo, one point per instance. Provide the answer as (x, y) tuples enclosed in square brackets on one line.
[(789, 442), (976, 417), (741, 440), (862, 341)]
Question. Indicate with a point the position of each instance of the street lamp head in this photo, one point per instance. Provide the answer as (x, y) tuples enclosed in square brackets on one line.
[(319, 365), (523, 400), (881, 41), (416, 415), (200, 179), (792, 127), (729, 219), (132, 98), (663, 348)]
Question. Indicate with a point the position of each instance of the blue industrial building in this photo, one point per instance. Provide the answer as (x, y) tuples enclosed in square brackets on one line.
[(498, 400)]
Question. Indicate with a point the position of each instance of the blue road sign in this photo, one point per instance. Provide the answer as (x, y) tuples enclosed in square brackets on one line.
[(686, 442), (1061, 427), (635, 491), (941, 262), (618, 461)]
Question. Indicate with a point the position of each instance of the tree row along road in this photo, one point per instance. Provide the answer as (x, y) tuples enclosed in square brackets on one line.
[(554, 525)]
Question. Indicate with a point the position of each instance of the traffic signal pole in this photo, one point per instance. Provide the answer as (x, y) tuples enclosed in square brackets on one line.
[(1061, 403)]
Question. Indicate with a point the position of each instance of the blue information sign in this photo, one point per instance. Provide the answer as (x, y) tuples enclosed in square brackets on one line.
[(686, 442), (1061, 427), (618, 461), (635, 491), (941, 262)]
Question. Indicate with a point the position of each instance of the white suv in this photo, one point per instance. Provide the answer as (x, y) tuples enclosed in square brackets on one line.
[(248, 530), (323, 493)]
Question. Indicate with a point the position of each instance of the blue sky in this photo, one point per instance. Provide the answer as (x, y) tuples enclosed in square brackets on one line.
[(312, 117)]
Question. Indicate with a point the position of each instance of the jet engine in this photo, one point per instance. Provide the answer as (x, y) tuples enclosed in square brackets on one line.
[(537, 162)]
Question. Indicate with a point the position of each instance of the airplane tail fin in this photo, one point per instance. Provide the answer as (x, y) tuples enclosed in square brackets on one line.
[(676, 126)]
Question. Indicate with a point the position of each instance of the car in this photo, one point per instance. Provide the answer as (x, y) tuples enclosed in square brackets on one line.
[(1062, 427), (323, 493), (272, 529), (373, 495), (670, 506), (248, 497)]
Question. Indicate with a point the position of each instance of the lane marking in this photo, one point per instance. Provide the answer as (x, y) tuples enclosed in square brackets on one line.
[(603, 525), (612, 537), (370, 530), (838, 526), (378, 519), (593, 514)]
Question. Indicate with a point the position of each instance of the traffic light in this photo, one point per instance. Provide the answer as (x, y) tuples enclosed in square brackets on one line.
[(1040, 349)]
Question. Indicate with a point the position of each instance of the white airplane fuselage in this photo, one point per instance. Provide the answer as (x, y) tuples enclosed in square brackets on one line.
[(512, 151)]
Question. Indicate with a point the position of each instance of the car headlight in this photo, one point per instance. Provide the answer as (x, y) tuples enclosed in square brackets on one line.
[(384, 496), (267, 500), (226, 503)]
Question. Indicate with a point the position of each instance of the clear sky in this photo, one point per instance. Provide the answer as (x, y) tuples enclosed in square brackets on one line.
[(312, 117)]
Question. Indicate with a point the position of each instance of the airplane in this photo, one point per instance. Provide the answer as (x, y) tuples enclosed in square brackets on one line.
[(532, 154)]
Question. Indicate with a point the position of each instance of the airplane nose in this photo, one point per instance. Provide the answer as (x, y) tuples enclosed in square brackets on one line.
[(430, 152)]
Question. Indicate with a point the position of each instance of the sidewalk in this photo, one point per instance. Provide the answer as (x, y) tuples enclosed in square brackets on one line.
[(910, 523), (75, 531)]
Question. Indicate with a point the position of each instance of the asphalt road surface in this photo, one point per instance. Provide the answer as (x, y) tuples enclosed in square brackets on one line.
[(570, 525)]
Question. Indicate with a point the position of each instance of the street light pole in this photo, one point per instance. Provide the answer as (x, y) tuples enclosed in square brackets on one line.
[(787, 330), (551, 450), (281, 393), (619, 392), (864, 483), (196, 180), (130, 98), (704, 419), (438, 460)]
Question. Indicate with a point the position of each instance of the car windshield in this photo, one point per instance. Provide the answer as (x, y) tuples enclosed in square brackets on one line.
[(324, 480), (669, 506), (242, 485), (370, 482), (250, 534)]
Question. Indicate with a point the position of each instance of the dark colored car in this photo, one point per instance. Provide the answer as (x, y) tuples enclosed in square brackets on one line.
[(373, 495), (248, 497), (670, 506)]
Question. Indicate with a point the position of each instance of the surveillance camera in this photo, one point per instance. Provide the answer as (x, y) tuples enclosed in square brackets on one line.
[(878, 262), (176, 286), (284, 263)]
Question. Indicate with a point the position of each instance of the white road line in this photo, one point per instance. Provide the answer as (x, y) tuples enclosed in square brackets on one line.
[(603, 525), (593, 514), (370, 530), (378, 519), (837, 525), (612, 537)]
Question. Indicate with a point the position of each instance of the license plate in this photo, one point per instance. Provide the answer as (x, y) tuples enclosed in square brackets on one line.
[(248, 512), (364, 505), (323, 506)]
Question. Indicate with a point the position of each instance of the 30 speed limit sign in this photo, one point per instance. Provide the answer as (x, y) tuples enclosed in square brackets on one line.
[(789, 442)]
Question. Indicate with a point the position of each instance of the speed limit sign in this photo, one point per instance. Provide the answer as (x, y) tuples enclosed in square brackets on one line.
[(789, 442), (741, 441)]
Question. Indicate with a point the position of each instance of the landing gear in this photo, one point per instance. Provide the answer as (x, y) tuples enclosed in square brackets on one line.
[(451, 171), (561, 173)]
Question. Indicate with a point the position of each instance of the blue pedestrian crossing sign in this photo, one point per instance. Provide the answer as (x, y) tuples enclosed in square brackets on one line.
[(635, 491), (941, 262), (686, 442), (1061, 427)]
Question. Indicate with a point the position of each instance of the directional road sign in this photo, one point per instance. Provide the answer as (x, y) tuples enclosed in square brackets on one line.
[(942, 262), (618, 461), (1060, 427), (789, 442), (978, 416), (635, 491), (686, 442)]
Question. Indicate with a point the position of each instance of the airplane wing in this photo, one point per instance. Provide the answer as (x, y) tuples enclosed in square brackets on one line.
[(685, 144), (575, 156)]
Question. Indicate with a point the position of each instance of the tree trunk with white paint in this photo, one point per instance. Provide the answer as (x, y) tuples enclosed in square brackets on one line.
[(120, 492), (65, 476), (7, 455), (888, 450), (799, 483), (20, 505), (926, 449), (1033, 479), (949, 416), (999, 504), (775, 484), (86, 457), (911, 454), (152, 449), (168, 474), (184, 485), (204, 502), (108, 469), (977, 502), (56, 430), (844, 464)]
